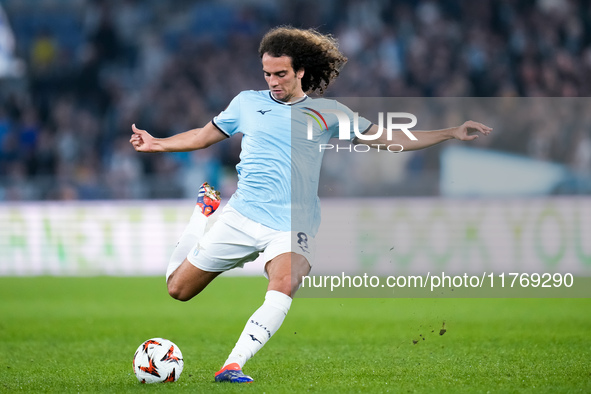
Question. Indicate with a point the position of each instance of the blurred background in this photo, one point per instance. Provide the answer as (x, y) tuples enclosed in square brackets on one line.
[(75, 74)]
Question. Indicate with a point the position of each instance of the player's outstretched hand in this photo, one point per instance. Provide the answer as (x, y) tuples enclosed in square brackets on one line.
[(141, 140), (469, 131)]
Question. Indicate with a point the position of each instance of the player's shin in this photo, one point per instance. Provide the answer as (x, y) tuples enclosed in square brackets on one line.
[(208, 200), (186, 242), (260, 327)]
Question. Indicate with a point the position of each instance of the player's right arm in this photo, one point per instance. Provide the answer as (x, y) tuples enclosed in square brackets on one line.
[(194, 139)]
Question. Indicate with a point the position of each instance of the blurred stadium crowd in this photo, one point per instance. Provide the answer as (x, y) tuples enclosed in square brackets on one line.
[(95, 67)]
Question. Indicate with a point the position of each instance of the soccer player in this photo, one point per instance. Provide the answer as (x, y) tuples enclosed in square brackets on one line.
[(277, 180)]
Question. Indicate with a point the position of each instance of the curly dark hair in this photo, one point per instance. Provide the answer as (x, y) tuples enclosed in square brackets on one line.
[(318, 54)]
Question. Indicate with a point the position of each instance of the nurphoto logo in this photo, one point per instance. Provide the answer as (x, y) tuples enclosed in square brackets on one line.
[(315, 117)]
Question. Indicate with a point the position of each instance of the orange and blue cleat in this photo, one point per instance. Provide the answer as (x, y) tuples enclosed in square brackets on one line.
[(208, 199), (232, 373)]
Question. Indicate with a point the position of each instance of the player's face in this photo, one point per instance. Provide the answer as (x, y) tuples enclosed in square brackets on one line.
[(284, 83)]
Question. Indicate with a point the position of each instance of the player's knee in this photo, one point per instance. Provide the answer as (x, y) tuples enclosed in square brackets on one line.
[(283, 283), (178, 292)]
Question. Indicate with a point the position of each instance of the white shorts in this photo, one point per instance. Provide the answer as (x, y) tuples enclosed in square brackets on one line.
[(235, 240)]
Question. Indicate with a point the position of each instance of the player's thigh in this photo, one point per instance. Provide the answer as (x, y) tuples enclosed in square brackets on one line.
[(224, 247), (188, 280), (286, 271)]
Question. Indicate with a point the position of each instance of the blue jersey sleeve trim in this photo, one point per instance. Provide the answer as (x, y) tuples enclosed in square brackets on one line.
[(366, 130), (356, 140), (220, 129)]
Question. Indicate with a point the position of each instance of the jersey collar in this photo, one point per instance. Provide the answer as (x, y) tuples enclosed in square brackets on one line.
[(290, 103)]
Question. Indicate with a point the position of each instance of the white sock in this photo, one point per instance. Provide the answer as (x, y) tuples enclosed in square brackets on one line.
[(192, 234), (260, 327)]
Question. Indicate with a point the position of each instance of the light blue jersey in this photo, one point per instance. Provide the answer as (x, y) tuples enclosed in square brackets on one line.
[(279, 166)]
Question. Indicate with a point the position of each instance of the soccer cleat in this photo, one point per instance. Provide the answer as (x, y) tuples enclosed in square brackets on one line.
[(233, 374), (208, 199)]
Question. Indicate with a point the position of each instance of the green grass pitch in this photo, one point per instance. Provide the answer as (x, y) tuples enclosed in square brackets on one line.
[(79, 335)]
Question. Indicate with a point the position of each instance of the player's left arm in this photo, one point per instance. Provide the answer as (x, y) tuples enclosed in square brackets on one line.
[(468, 131)]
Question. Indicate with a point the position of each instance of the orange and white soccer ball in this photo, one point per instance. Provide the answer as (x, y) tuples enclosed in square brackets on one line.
[(158, 360)]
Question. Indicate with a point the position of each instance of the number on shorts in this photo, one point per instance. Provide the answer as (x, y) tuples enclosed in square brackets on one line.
[(303, 241)]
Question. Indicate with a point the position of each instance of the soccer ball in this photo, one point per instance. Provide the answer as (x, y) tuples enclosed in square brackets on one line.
[(158, 360)]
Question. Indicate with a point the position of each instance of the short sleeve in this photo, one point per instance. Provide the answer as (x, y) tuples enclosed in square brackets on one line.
[(362, 123), (227, 120)]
